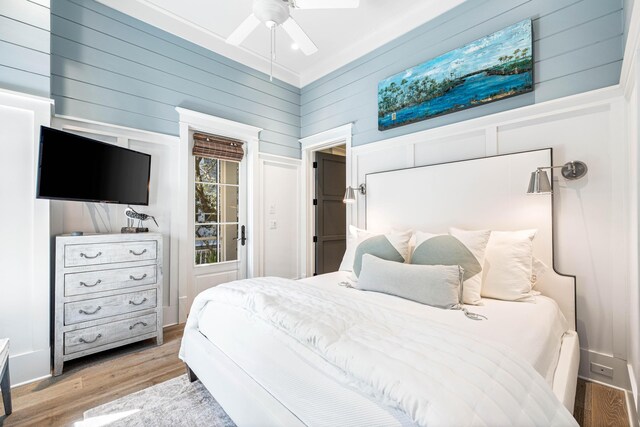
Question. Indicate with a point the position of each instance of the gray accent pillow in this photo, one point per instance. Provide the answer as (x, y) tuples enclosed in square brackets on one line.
[(463, 248), (446, 250), (434, 285), (379, 246)]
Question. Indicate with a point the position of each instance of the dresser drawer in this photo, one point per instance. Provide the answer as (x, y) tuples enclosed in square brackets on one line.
[(107, 253), (98, 308), (107, 280), (84, 339)]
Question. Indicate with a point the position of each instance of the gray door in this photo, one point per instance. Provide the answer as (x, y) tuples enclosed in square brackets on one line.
[(331, 213)]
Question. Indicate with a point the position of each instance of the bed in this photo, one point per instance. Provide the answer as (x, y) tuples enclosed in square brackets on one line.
[(266, 374)]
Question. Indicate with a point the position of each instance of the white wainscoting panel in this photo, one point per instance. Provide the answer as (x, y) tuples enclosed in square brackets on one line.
[(587, 242), (633, 136), (455, 147), (24, 250)]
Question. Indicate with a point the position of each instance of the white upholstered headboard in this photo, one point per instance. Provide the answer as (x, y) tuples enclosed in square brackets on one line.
[(485, 193)]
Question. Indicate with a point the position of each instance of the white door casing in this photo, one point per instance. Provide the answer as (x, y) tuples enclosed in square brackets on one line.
[(193, 279), (309, 145)]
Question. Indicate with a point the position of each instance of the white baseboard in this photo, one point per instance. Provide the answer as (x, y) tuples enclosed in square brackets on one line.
[(14, 385), (631, 410), (620, 377), (29, 367), (169, 315), (632, 398), (182, 309)]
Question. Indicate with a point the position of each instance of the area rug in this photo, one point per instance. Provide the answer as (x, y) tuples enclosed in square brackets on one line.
[(176, 402)]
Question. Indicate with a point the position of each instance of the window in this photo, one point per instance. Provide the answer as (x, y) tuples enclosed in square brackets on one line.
[(216, 210)]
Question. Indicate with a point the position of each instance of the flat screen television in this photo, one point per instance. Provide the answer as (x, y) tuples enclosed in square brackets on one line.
[(72, 167)]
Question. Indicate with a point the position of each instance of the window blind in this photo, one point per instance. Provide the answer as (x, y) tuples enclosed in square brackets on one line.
[(217, 147)]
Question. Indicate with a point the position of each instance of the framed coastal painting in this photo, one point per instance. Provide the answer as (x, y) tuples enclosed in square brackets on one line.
[(494, 67)]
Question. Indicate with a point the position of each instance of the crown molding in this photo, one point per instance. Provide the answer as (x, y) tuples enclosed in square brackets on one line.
[(168, 21), (152, 14), (383, 35)]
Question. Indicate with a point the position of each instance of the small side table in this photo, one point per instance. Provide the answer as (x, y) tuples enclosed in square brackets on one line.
[(5, 383)]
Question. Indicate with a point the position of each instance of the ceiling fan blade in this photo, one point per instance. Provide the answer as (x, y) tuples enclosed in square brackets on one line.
[(243, 31), (299, 37), (327, 4)]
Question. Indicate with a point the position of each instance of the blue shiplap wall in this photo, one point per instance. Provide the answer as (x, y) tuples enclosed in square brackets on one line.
[(578, 47), (109, 67), (25, 46)]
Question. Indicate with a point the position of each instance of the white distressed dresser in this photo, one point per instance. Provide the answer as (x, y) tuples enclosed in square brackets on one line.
[(107, 293)]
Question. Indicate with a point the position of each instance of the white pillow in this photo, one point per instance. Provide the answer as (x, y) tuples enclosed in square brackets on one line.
[(508, 267), (435, 285), (463, 248), (539, 269), (356, 235)]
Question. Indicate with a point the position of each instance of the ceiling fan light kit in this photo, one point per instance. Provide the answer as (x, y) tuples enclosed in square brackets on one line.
[(275, 13), (271, 12)]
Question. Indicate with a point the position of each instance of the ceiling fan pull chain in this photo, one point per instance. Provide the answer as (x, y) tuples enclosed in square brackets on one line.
[(273, 29)]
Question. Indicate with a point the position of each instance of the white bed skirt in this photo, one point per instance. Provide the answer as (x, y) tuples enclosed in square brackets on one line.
[(250, 404), (566, 376), (243, 399)]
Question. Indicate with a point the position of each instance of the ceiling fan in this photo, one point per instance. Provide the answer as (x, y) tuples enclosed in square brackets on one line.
[(274, 13)]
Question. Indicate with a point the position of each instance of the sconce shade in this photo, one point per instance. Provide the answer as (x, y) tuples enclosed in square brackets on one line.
[(539, 183), (349, 195)]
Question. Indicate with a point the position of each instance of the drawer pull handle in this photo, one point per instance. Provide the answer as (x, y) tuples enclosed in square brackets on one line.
[(138, 303), (131, 251), (90, 286), (136, 324), (138, 278), (83, 341), (82, 254), (90, 312)]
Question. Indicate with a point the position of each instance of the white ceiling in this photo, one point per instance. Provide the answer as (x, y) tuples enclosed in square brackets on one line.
[(341, 35)]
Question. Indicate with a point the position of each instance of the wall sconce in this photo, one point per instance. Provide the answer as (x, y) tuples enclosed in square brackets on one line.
[(350, 194), (539, 182)]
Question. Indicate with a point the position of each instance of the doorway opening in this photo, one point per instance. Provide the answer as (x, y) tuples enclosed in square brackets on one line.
[(339, 138), (330, 211)]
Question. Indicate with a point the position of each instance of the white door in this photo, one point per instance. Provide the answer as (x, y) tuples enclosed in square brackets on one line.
[(213, 255), (217, 228)]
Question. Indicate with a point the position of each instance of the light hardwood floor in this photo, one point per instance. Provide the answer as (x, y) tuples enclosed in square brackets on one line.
[(598, 405), (98, 379), (94, 380)]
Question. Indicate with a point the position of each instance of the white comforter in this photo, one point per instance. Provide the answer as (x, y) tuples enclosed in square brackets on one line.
[(437, 375)]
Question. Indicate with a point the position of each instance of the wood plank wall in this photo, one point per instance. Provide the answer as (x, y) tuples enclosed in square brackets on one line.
[(110, 67), (578, 46), (25, 46)]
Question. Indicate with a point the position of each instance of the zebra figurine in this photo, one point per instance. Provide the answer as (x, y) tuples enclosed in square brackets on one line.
[(132, 215)]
